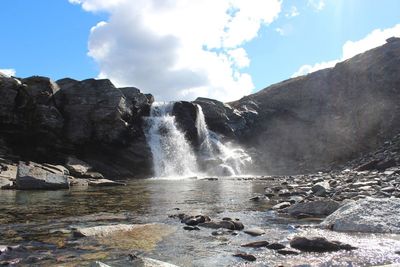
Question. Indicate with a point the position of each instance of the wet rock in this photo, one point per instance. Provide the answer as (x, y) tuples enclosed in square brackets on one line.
[(366, 215), (221, 224), (257, 244), (105, 182), (103, 230), (314, 208), (318, 244), (254, 231), (276, 246), (287, 252), (31, 176), (281, 205), (191, 228), (224, 232), (247, 257)]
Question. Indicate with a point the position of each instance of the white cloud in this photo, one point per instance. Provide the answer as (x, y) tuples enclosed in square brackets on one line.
[(8, 72), (178, 49), (317, 5), (293, 12), (351, 48)]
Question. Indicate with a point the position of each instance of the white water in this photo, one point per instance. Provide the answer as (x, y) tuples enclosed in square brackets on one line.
[(227, 159), (172, 154), (174, 157)]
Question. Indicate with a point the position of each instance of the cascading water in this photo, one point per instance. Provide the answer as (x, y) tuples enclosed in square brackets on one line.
[(172, 154), (174, 157), (218, 158)]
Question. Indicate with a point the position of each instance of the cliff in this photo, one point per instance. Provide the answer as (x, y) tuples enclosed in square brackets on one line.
[(327, 117)]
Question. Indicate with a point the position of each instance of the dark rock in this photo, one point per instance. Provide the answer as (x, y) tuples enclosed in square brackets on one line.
[(191, 228), (256, 244), (367, 166), (32, 177), (320, 189), (287, 252), (318, 244), (238, 225), (216, 225), (276, 246), (301, 128), (185, 116), (220, 117), (93, 110), (247, 257)]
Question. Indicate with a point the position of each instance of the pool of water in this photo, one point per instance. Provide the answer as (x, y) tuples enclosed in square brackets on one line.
[(43, 222)]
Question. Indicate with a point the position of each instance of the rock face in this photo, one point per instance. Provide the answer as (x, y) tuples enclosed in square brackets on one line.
[(31, 177), (311, 122), (366, 215), (47, 121)]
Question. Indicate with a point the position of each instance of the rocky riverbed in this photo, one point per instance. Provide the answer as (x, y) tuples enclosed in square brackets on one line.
[(258, 221)]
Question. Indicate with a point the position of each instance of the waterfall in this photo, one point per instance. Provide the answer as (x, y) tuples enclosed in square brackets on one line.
[(172, 154), (174, 157), (218, 158)]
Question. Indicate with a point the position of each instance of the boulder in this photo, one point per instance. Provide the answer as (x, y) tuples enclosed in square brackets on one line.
[(31, 176), (318, 244), (366, 215), (314, 208), (77, 167), (321, 188), (5, 183)]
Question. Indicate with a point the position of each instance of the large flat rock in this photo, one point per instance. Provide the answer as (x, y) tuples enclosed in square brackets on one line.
[(31, 176), (369, 215)]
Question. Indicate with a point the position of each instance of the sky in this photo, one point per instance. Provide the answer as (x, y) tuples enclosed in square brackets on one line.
[(183, 49)]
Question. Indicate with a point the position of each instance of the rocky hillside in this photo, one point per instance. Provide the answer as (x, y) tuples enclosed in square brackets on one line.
[(325, 118)]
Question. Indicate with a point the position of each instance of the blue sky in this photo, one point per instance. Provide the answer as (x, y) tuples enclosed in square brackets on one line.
[(137, 44)]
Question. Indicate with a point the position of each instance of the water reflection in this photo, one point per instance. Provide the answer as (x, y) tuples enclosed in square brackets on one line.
[(43, 220)]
